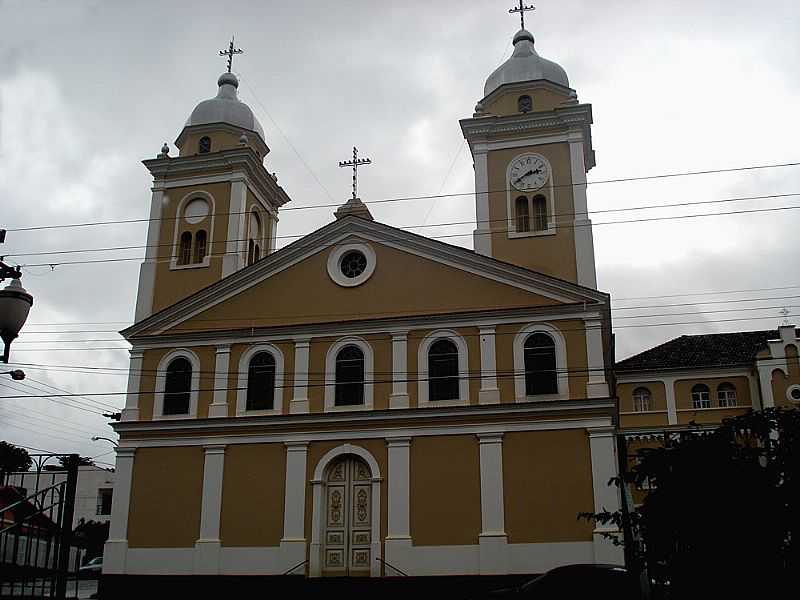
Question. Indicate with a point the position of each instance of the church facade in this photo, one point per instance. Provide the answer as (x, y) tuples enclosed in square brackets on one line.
[(316, 410)]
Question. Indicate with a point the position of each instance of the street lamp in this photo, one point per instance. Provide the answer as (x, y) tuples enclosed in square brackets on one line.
[(100, 437), (16, 374), (15, 304)]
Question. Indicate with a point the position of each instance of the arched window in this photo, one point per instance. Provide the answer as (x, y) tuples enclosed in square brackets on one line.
[(443, 371), (726, 394), (254, 230), (701, 396), (540, 365), (539, 213), (204, 146), (199, 246), (523, 215), (349, 377), (261, 382), (177, 387), (185, 249), (525, 104), (642, 400)]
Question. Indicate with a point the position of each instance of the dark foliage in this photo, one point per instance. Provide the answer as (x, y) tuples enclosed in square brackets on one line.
[(83, 461), (91, 535), (13, 458)]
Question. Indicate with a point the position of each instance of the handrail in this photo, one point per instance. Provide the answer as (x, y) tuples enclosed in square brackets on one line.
[(294, 567), (391, 566)]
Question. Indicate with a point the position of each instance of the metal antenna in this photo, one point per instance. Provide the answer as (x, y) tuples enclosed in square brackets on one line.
[(521, 9), (229, 53), (785, 314), (355, 163)]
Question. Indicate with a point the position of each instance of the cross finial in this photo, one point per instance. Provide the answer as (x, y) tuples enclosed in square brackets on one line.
[(785, 314), (229, 53), (355, 163), (521, 9)]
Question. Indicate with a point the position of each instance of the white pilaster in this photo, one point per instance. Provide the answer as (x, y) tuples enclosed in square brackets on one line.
[(293, 543), (482, 239), (219, 404), (765, 380), (131, 410), (147, 271), (315, 548), (299, 402), (399, 397), (494, 556), (207, 547), (596, 386), (273, 233), (669, 394), (235, 243), (489, 392), (116, 548), (398, 489), (606, 497), (584, 241)]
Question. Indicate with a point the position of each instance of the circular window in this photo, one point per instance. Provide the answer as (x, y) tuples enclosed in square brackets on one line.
[(353, 264), (196, 210), (350, 265), (793, 393)]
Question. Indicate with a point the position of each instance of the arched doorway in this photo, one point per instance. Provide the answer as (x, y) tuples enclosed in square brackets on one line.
[(348, 519)]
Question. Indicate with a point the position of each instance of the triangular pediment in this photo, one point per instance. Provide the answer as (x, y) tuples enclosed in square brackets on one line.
[(413, 276)]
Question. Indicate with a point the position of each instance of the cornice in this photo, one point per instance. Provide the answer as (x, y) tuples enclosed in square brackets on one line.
[(254, 136), (243, 160), (528, 86), (342, 229)]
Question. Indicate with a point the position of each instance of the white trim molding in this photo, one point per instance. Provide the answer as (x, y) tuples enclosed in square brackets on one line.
[(161, 379), (423, 400), (606, 495), (596, 386), (511, 199), (219, 403), (330, 374), (520, 391), (492, 541), (399, 397), (299, 403), (179, 220), (482, 236), (318, 495), (131, 410), (335, 259), (207, 547), (293, 542), (116, 548), (147, 270), (489, 392), (243, 378)]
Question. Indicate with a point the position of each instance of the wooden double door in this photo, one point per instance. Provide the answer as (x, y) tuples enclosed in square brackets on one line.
[(348, 518)]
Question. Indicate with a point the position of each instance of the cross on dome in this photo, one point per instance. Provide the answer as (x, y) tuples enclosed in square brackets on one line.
[(229, 53), (355, 163), (521, 9)]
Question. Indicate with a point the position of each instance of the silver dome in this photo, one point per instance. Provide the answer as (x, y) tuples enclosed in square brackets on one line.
[(525, 65), (226, 108)]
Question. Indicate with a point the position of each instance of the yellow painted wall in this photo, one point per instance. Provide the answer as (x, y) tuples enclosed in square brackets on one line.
[(683, 391), (166, 494), (220, 140), (550, 254), (781, 382), (547, 481), (543, 100), (657, 392), (445, 491), (253, 495), (650, 419), (286, 348)]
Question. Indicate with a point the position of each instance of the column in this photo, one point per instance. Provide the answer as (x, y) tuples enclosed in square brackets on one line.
[(489, 393), (399, 397), (606, 497), (147, 272), (584, 242), (493, 541), (234, 257), (672, 408), (219, 404), (299, 402), (116, 548), (765, 380), (131, 410), (273, 232), (293, 543), (315, 548), (398, 534), (482, 239), (596, 386), (207, 547)]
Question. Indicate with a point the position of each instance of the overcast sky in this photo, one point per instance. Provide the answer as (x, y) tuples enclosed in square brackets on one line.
[(89, 89)]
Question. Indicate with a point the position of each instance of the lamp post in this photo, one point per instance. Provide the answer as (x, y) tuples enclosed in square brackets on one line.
[(15, 304), (100, 437)]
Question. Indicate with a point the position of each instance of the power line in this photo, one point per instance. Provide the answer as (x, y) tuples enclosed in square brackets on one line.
[(63, 402), (427, 197)]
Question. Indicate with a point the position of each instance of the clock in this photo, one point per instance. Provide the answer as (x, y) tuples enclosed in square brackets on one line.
[(529, 172)]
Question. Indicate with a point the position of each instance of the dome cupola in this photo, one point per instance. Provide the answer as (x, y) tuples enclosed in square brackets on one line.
[(226, 108), (525, 64)]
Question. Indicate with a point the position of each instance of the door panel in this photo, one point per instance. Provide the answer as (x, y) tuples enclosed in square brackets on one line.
[(348, 523)]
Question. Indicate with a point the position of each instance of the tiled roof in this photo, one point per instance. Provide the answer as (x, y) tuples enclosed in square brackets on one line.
[(698, 351)]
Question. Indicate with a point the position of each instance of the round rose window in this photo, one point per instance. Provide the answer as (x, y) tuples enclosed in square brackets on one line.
[(353, 264)]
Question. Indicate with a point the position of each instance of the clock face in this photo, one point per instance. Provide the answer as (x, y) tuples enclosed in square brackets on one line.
[(529, 172)]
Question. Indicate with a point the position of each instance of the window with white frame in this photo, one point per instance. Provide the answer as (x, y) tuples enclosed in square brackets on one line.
[(642, 400), (541, 374), (726, 395), (701, 396), (104, 496), (443, 380), (177, 387), (261, 382), (349, 377)]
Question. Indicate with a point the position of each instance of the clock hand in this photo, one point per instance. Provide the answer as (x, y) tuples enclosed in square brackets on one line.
[(521, 177)]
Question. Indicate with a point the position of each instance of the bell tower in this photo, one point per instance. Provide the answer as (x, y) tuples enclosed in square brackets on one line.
[(531, 144), (214, 208)]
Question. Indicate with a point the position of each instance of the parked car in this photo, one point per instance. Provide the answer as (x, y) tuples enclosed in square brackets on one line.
[(575, 581), (91, 569)]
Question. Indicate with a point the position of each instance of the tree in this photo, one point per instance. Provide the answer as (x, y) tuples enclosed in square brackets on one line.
[(722, 510), (83, 461), (12, 459), (91, 536)]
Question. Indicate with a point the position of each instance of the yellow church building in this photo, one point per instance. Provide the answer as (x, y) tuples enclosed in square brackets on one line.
[(315, 410)]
